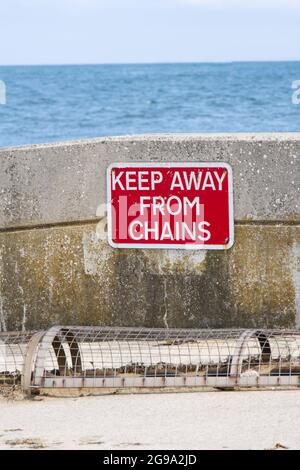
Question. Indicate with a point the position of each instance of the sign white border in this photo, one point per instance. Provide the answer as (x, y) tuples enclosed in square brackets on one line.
[(169, 246)]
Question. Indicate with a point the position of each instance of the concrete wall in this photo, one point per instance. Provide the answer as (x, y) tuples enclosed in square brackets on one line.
[(56, 268)]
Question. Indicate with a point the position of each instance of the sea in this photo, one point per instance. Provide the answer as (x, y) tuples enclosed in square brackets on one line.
[(41, 104)]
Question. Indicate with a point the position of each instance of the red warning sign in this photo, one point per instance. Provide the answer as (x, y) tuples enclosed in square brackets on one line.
[(170, 205)]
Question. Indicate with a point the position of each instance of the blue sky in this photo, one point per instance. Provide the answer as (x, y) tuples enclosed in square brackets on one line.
[(121, 31)]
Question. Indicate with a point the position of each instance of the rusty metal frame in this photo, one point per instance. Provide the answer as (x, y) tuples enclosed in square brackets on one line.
[(122, 358), (141, 343), (29, 360), (14, 345)]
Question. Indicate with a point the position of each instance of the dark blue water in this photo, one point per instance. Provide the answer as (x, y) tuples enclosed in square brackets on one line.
[(53, 103)]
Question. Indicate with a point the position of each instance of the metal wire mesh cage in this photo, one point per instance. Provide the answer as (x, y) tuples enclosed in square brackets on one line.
[(13, 346), (104, 357)]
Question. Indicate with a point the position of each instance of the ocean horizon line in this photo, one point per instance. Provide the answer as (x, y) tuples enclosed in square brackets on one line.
[(225, 62)]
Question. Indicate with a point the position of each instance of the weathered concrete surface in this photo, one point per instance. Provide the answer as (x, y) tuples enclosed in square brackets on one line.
[(55, 266), (67, 275), (66, 182)]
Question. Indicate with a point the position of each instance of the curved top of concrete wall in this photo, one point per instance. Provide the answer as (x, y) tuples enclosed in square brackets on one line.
[(66, 182), (219, 136)]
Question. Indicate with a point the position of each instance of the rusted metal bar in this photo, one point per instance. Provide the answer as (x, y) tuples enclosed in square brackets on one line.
[(112, 357)]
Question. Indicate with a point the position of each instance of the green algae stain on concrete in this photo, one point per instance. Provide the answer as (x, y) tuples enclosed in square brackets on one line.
[(44, 272), (262, 275), (69, 275)]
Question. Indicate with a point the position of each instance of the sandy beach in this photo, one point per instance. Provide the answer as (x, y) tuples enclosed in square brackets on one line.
[(200, 420)]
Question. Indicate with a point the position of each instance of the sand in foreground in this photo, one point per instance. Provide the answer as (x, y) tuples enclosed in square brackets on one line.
[(205, 420)]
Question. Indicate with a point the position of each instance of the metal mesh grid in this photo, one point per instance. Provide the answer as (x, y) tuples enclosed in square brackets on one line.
[(13, 346), (104, 357), (141, 357)]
